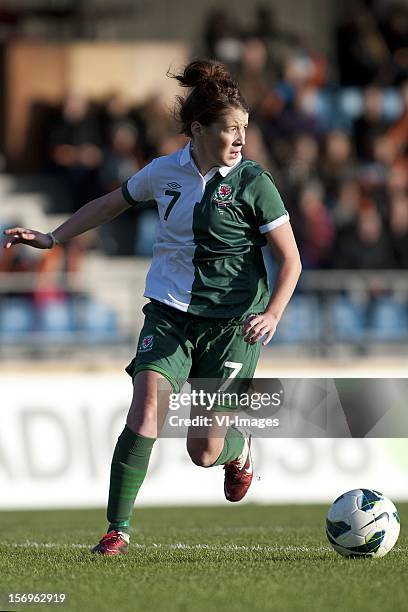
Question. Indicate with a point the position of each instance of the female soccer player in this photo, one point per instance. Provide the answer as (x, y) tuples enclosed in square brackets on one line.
[(209, 302)]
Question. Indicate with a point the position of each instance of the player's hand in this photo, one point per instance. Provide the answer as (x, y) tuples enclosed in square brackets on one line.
[(21, 235), (256, 326)]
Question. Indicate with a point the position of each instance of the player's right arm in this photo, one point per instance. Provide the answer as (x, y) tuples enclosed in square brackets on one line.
[(94, 213)]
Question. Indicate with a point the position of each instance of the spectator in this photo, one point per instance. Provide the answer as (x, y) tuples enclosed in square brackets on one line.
[(123, 158), (280, 44), (395, 32), (397, 179), (346, 207), (294, 118), (116, 111), (50, 272), (398, 132), (362, 52), (370, 125), (315, 229), (75, 150), (337, 164), (254, 77), (223, 37), (302, 166), (159, 121), (10, 263), (267, 26), (255, 148), (367, 246), (399, 228), (373, 176)]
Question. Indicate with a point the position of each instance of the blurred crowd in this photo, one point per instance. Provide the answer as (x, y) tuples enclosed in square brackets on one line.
[(333, 133), (91, 148)]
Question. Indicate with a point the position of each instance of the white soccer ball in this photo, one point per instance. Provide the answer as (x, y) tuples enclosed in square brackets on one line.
[(362, 523)]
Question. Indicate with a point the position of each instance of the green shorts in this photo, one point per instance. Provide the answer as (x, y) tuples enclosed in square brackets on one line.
[(182, 346)]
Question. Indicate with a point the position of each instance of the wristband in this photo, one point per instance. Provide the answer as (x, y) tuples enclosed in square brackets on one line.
[(54, 240)]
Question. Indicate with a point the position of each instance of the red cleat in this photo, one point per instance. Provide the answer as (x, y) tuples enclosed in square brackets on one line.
[(113, 543), (239, 474)]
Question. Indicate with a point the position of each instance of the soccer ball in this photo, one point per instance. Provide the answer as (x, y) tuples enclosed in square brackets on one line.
[(362, 523)]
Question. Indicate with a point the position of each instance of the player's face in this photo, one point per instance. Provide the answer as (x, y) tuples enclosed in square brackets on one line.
[(220, 143)]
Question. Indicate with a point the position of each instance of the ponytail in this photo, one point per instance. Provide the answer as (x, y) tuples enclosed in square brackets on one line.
[(213, 92)]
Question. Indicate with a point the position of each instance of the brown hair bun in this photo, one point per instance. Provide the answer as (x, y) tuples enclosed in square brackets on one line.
[(213, 92)]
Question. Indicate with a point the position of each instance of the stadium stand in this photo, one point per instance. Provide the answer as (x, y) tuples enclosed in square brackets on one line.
[(331, 128)]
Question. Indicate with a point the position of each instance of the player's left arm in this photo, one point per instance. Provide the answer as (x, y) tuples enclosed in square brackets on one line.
[(283, 244)]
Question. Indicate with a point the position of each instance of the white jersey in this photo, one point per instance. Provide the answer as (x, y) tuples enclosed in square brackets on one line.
[(209, 227)]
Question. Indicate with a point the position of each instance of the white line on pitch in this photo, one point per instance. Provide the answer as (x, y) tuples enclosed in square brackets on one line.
[(182, 546), (178, 546)]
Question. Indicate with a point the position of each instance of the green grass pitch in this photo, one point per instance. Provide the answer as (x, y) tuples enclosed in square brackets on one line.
[(240, 558)]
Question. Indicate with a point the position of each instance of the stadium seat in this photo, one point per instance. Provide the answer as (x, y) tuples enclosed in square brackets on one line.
[(16, 317), (54, 318), (348, 319), (146, 233), (389, 320), (350, 104), (326, 111), (300, 322), (351, 101), (96, 321), (392, 104)]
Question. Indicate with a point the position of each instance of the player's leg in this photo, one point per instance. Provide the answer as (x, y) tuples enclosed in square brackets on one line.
[(162, 360), (134, 446), (226, 357), (214, 443), (229, 446), (131, 456)]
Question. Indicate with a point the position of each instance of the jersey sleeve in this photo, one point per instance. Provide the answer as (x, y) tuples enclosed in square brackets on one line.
[(269, 210), (138, 187)]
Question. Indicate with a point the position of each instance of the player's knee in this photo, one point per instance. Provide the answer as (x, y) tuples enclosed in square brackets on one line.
[(203, 459), (201, 456)]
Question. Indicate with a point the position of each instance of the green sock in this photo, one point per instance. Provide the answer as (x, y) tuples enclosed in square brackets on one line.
[(128, 471), (233, 445)]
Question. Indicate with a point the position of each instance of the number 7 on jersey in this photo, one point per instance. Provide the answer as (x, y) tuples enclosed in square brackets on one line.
[(175, 196)]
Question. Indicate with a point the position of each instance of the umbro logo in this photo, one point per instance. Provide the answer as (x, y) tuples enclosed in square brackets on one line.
[(174, 185)]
